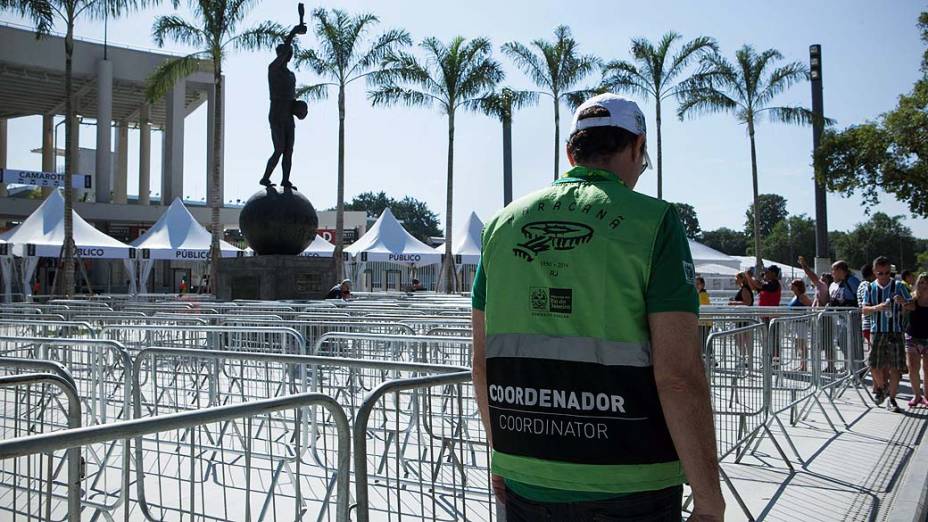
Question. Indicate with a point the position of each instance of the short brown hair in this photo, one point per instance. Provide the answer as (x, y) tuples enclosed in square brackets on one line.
[(881, 261), (800, 285), (598, 143)]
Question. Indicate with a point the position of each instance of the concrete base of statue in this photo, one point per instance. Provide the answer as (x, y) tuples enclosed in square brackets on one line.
[(275, 277)]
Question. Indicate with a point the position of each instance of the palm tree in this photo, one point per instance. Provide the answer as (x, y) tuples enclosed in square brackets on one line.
[(745, 89), (215, 31), (342, 58), (453, 76), (651, 75), (557, 68), (44, 13), (501, 104)]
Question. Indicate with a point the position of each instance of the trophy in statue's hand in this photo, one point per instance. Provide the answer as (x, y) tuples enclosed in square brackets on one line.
[(283, 107)]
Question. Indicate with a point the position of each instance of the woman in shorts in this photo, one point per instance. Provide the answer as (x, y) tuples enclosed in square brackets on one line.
[(916, 340), (801, 330)]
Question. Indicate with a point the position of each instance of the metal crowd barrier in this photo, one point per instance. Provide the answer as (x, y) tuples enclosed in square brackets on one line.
[(455, 351), (421, 453), (275, 339), (34, 483), (187, 439), (46, 328)]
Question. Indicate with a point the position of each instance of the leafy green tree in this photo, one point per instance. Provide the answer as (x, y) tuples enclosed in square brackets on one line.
[(44, 14), (921, 261), (746, 89), (881, 235), (731, 242), (790, 238), (772, 211), (215, 31), (344, 56), (415, 215), (689, 219), (557, 68), (653, 74), (453, 76), (889, 154), (501, 104)]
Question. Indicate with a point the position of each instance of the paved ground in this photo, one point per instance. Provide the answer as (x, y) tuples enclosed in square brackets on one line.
[(851, 475)]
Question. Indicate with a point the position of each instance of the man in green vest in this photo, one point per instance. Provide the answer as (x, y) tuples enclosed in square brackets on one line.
[(587, 365)]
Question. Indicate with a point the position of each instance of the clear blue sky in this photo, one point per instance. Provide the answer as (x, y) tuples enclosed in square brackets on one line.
[(871, 52)]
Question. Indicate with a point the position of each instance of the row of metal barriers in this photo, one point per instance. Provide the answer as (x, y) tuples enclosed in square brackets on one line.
[(318, 412)]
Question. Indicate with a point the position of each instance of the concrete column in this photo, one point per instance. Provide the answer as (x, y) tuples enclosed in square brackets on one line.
[(211, 144), (121, 175), (76, 153), (144, 155), (49, 154), (3, 153), (173, 170), (104, 166)]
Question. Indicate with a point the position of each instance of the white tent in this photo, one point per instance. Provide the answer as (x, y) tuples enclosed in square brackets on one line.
[(467, 242), (712, 269), (177, 236), (319, 248), (703, 255), (42, 235), (387, 241)]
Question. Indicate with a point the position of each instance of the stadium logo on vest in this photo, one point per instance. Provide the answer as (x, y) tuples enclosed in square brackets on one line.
[(542, 236), (553, 300)]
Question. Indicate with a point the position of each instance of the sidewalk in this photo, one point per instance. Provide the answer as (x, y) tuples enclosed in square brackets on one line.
[(852, 475)]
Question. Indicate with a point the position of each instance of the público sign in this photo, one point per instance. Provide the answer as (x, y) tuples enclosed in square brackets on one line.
[(44, 179)]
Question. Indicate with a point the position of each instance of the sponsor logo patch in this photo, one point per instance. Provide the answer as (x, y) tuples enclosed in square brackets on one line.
[(553, 300), (689, 272)]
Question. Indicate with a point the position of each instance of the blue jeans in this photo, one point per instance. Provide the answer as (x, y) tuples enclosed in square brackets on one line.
[(664, 505)]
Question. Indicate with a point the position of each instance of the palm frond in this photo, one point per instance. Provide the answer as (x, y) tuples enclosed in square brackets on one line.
[(178, 30), (576, 98), (703, 99), (622, 76), (163, 78), (236, 11), (795, 116), (394, 95), (528, 62), (781, 79), (698, 46), (41, 12), (383, 45), (400, 67), (265, 35), (309, 57), (311, 93)]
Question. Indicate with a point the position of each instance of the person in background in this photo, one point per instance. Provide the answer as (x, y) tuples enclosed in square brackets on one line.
[(884, 302), (769, 290), (416, 286), (744, 296), (866, 272), (916, 341), (183, 285), (820, 283), (801, 332), (704, 326), (340, 291), (843, 290), (204, 285), (908, 279)]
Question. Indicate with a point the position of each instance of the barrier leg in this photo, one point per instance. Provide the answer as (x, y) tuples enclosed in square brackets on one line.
[(789, 440), (734, 492)]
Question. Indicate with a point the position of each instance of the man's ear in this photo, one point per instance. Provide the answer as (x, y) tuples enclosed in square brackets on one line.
[(639, 142), (570, 159)]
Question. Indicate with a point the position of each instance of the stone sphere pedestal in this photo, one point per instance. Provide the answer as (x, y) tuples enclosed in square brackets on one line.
[(278, 222)]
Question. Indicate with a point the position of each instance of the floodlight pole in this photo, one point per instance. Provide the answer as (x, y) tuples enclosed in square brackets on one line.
[(822, 259)]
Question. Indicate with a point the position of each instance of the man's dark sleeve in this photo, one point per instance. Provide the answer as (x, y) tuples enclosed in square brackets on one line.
[(478, 295), (672, 284)]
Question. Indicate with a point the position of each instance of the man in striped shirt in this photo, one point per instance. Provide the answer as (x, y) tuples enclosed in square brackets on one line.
[(883, 302)]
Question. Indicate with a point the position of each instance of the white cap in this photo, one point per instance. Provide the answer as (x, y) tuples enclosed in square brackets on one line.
[(623, 113)]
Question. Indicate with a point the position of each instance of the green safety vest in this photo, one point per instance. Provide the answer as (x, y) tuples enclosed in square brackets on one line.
[(572, 396)]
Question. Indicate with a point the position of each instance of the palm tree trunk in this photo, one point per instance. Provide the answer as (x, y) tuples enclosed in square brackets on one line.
[(660, 166), (507, 161), (340, 205), (214, 202), (757, 254), (67, 268), (557, 135), (448, 265)]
